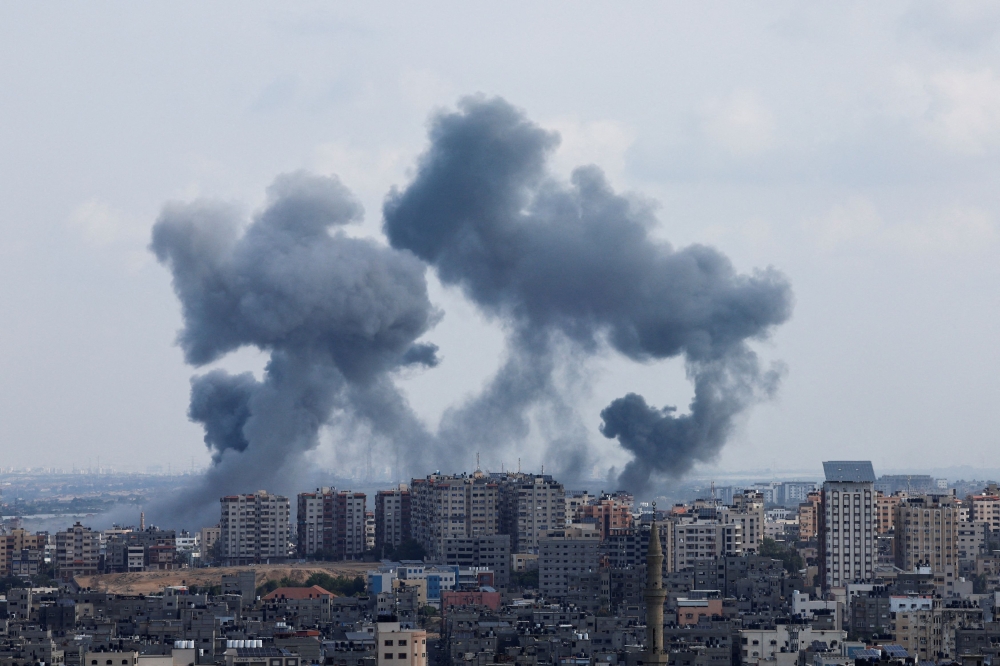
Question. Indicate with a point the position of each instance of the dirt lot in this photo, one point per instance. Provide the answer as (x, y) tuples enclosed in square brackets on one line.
[(149, 582)]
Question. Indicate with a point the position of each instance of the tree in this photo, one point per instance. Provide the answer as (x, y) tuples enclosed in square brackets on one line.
[(408, 549), (789, 557)]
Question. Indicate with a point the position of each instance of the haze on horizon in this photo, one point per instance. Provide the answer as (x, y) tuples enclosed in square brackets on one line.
[(854, 148)]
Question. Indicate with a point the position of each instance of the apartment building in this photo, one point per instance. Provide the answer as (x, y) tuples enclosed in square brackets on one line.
[(972, 538), (809, 516), (565, 554), (331, 523), (626, 549), (453, 507), (702, 540), (395, 646), (847, 530), (608, 512), (885, 511), (393, 512), (78, 551), (530, 505), (747, 510), (927, 533), (20, 545), (254, 529), (491, 552), (986, 507), (573, 502)]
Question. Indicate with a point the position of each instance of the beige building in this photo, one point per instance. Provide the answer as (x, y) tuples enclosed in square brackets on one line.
[(885, 511), (927, 533), (111, 658), (77, 552), (530, 505), (926, 626), (971, 539), (809, 517), (986, 507), (399, 647), (17, 545), (748, 512), (254, 529), (702, 540), (453, 507)]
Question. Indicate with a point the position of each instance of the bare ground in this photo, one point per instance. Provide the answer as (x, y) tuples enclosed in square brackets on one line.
[(151, 582)]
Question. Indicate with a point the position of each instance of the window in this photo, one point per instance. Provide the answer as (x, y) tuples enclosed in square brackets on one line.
[(388, 655), (388, 643)]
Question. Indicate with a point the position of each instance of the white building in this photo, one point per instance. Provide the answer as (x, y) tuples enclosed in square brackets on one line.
[(847, 524), (254, 529)]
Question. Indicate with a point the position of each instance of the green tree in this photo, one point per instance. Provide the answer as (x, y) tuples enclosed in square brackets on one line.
[(408, 549), (790, 558)]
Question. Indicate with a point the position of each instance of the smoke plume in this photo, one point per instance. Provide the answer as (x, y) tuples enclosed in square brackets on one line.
[(336, 314), (569, 269), (575, 261)]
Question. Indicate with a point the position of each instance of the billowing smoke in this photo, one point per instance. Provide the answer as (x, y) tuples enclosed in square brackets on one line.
[(576, 262), (569, 269), (337, 315)]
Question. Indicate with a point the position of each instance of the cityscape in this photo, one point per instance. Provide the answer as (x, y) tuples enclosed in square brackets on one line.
[(500, 333), (514, 567)]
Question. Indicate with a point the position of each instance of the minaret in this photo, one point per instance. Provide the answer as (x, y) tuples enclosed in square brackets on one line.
[(654, 595)]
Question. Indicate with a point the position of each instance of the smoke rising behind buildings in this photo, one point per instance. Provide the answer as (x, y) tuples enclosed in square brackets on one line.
[(568, 269)]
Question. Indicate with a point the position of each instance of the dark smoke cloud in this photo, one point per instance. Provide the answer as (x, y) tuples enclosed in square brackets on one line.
[(569, 269), (336, 314), (576, 261)]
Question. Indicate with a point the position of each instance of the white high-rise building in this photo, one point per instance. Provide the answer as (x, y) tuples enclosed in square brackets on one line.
[(847, 524), (254, 529)]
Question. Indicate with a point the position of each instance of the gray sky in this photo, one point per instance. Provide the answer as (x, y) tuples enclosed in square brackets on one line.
[(854, 147)]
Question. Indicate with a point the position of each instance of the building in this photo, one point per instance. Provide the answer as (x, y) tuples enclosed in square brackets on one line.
[(608, 512), (243, 583), (78, 551), (254, 529), (885, 511), (626, 549), (563, 554), (453, 507), (890, 484), (986, 508), (331, 524), (300, 606), (703, 540), (927, 533), (792, 493), (846, 530), (972, 537), (492, 552), (573, 502), (208, 538), (392, 518), (809, 517), (400, 647), (747, 510), (21, 546), (530, 505)]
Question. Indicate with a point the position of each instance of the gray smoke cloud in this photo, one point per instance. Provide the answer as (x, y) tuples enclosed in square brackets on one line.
[(575, 262), (569, 269), (336, 314)]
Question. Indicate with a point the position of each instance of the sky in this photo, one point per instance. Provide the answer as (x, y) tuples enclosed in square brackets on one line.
[(854, 147)]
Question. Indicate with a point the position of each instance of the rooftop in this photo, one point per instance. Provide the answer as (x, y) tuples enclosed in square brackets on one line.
[(856, 471)]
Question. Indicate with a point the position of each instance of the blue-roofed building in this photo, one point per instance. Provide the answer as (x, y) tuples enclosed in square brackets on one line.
[(847, 523)]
